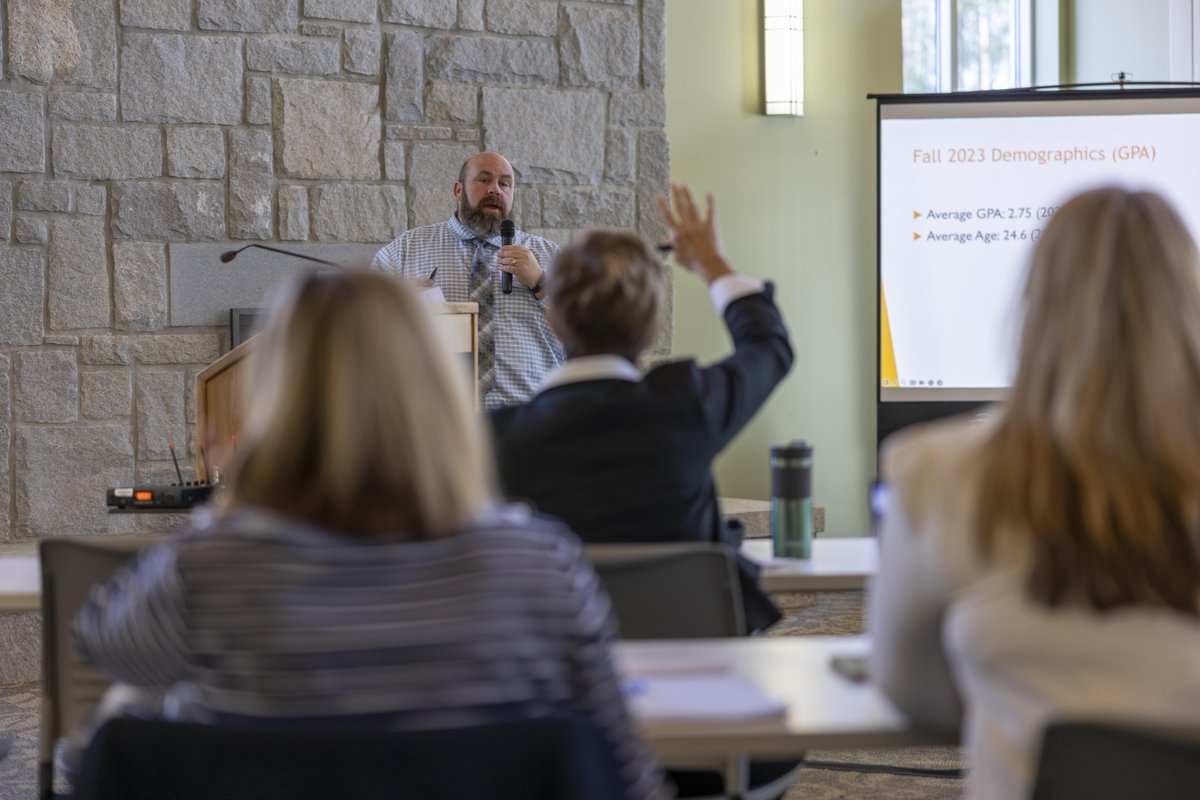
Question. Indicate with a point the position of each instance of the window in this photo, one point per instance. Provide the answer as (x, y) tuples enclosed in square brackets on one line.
[(966, 45)]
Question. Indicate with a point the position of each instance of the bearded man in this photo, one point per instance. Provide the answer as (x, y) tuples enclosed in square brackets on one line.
[(465, 258)]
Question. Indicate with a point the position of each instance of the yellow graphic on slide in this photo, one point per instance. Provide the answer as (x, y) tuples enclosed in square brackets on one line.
[(887, 355)]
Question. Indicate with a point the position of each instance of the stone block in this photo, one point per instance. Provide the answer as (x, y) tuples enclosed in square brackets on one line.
[(188, 348), (46, 386), (654, 176), (405, 80), (319, 28), (328, 129), (620, 155), (393, 161), (44, 196), (159, 79), (195, 152), (638, 109), (158, 400), (347, 10), (362, 51), (451, 102), (467, 135), (60, 473), (251, 187), (515, 124), (72, 42), (139, 285), (491, 59), (77, 274), (527, 207), (101, 152), (293, 213), (22, 276), (172, 210), (250, 210), (421, 13), (169, 15), (591, 208), (654, 44), (258, 100), (6, 209), (22, 147), (20, 632), (256, 16), (470, 15), (435, 167), (91, 200), (600, 47), (354, 212), (83, 106), (293, 54), (5, 409), (522, 17), (420, 133), (60, 340), (32, 230), (105, 394)]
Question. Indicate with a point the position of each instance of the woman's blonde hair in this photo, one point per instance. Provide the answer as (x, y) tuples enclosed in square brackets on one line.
[(359, 420), (1097, 453), (605, 294)]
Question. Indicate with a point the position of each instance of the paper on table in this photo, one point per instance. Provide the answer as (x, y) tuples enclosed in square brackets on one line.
[(433, 294), (692, 696)]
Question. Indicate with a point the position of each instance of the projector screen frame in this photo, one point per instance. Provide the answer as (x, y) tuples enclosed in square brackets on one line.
[(915, 405)]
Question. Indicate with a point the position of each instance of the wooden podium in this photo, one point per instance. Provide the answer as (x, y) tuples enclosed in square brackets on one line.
[(219, 386)]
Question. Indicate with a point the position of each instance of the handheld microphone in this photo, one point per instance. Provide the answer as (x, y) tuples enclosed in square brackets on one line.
[(229, 255), (508, 232)]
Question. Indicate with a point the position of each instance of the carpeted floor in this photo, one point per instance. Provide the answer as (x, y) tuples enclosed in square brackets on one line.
[(835, 775)]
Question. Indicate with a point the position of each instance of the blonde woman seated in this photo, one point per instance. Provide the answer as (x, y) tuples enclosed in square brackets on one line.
[(1046, 564), (359, 569)]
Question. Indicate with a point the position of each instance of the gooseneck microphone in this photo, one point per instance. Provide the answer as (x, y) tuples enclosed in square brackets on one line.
[(508, 232), (229, 255)]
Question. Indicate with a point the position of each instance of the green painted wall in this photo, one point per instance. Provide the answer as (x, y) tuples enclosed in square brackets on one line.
[(795, 204)]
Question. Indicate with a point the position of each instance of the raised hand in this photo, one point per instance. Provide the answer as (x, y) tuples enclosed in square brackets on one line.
[(693, 235)]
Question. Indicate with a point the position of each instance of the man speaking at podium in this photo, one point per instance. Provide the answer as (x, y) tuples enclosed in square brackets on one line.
[(469, 258)]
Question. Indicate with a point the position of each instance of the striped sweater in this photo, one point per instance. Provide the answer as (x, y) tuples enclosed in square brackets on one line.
[(266, 619)]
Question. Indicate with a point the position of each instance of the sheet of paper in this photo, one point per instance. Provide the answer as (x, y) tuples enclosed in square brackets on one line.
[(433, 294), (692, 696)]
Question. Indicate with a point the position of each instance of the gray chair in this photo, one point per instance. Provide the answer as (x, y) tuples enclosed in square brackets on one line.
[(71, 687), (1082, 760), (684, 590)]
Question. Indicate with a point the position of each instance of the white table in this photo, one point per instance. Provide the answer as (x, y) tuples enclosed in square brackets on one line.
[(20, 581), (836, 564), (823, 709)]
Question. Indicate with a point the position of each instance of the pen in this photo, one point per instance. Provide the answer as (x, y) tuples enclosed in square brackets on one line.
[(665, 247), (433, 273)]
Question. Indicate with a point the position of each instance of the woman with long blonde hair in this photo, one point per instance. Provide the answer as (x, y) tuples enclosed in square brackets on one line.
[(359, 571), (1046, 563)]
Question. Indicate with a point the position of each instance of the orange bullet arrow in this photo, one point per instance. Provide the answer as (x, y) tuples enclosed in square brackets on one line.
[(916, 236), (916, 215)]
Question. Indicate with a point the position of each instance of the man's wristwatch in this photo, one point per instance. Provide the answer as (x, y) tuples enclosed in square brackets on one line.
[(541, 284)]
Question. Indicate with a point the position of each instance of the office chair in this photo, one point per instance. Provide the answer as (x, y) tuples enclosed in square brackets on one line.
[(685, 590), (71, 687), (1086, 760), (552, 758)]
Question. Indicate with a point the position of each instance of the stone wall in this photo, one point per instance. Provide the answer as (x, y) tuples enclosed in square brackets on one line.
[(136, 129)]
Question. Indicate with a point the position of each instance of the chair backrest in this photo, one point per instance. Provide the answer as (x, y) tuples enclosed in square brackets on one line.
[(677, 590), (541, 759), (71, 687), (1085, 760)]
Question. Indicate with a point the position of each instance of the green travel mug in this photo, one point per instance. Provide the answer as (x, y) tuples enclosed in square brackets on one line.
[(791, 500)]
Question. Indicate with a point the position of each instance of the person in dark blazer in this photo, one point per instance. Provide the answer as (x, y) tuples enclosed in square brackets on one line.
[(623, 457)]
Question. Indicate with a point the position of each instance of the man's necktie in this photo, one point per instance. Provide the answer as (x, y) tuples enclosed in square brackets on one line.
[(481, 293)]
